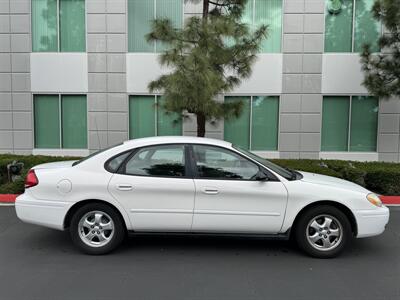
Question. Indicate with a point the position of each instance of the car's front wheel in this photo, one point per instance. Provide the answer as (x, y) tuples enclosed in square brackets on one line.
[(96, 228), (323, 231)]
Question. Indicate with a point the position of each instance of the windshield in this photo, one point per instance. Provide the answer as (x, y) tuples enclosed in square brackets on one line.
[(287, 173), (94, 154)]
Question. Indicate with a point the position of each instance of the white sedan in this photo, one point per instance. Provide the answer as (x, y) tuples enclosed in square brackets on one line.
[(195, 185)]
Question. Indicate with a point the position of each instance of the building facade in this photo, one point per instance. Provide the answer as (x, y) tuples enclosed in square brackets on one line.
[(74, 75)]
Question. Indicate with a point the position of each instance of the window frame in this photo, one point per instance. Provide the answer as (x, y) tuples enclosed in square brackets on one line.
[(350, 99), (268, 173), (60, 121), (188, 167), (250, 140), (58, 31), (353, 26)]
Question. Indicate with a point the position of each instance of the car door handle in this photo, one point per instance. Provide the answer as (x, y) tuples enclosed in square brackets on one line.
[(210, 191), (124, 187)]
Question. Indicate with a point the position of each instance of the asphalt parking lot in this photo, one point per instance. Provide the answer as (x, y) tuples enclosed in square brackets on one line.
[(40, 263)]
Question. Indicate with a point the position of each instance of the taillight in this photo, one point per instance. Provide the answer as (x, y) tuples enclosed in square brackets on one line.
[(31, 179)]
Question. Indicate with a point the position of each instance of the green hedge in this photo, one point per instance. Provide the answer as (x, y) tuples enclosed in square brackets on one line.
[(380, 177)]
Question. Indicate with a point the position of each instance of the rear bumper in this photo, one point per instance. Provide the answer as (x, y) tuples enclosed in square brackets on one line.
[(372, 221), (41, 212)]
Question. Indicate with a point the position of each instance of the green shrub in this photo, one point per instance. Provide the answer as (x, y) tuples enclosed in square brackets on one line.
[(16, 187), (380, 177), (386, 182)]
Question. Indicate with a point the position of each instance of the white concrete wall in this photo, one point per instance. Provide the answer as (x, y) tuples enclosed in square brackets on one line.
[(342, 74), (59, 72), (141, 68), (266, 77)]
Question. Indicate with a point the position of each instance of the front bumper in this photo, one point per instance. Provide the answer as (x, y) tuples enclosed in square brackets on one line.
[(41, 212), (371, 222)]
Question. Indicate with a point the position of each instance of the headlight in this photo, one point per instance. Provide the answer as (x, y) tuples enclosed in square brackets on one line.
[(374, 199)]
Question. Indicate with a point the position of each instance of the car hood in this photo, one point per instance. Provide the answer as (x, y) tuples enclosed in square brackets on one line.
[(55, 165), (332, 181)]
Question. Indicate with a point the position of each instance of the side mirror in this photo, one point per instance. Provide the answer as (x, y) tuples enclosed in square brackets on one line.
[(261, 176)]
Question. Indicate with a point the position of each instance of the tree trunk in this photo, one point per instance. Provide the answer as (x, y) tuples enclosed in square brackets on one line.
[(206, 5), (201, 125), (201, 118)]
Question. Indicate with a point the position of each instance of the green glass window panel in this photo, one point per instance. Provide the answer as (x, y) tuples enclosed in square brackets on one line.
[(264, 127), (364, 123), (47, 121), (338, 25), (74, 121), (168, 123), (44, 26), (236, 130), (335, 123), (141, 116), (172, 10), (269, 12), (72, 26), (367, 30), (140, 16)]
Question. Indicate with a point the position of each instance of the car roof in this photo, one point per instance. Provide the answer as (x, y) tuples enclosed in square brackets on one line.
[(175, 139)]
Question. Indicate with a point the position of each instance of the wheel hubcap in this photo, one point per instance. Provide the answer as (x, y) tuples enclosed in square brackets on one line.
[(96, 229), (324, 232)]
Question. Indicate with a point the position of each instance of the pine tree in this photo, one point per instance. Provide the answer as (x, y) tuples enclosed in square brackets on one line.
[(209, 56), (382, 71)]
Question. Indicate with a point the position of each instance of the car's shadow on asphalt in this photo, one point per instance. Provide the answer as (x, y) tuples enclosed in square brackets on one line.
[(53, 241), (207, 243), (234, 245)]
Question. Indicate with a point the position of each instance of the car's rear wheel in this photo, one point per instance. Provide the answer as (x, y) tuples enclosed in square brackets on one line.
[(96, 228), (323, 231)]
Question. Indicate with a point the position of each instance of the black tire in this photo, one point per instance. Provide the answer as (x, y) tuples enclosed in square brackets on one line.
[(114, 240), (316, 249)]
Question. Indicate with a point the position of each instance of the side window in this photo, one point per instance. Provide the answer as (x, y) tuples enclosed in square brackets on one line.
[(113, 165), (214, 162), (163, 160)]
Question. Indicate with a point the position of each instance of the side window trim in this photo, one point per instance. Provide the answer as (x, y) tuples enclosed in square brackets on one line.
[(188, 169), (192, 161)]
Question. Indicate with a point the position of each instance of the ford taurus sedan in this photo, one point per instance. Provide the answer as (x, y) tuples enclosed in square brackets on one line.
[(195, 185)]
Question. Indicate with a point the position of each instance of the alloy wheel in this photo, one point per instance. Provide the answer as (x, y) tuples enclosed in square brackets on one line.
[(324, 232), (96, 228)]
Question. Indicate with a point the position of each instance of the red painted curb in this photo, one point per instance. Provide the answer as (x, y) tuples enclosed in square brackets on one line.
[(389, 200), (8, 198)]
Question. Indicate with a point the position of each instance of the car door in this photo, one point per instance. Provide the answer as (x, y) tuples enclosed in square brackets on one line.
[(156, 188), (230, 197)]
